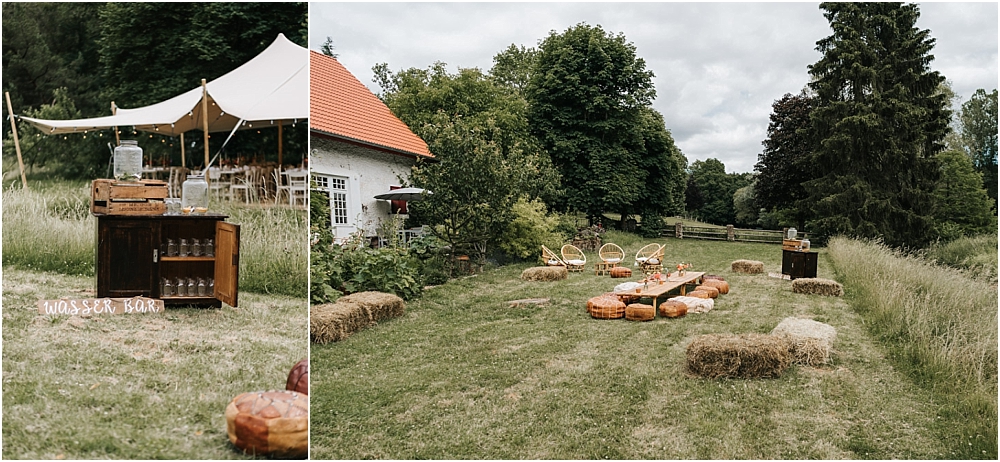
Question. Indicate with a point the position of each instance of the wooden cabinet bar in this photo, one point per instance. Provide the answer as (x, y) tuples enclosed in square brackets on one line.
[(798, 264), (131, 256)]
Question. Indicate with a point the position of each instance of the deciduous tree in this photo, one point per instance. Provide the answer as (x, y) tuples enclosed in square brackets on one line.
[(979, 136), (784, 165), (586, 98)]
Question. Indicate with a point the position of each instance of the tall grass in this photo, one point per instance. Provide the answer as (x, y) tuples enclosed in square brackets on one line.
[(940, 325), (49, 228), (977, 255)]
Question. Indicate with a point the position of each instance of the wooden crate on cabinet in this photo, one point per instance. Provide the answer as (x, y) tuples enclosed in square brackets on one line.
[(132, 258)]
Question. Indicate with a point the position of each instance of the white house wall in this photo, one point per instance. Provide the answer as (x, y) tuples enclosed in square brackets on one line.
[(369, 172)]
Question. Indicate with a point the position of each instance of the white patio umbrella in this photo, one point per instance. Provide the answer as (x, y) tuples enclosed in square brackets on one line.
[(404, 194)]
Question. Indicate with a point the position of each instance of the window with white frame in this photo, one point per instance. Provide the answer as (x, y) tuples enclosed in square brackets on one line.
[(336, 189)]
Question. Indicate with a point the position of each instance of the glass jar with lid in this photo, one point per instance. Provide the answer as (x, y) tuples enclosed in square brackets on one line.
[(194, 195), (128, 161)]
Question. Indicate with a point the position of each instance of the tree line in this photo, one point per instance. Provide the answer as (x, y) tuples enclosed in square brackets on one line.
[(869, 149), (71, 60)]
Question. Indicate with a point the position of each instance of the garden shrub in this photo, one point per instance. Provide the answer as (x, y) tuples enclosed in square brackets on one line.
[(530, 229)]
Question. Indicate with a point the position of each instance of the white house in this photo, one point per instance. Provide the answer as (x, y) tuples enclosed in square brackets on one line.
[(358, 148)]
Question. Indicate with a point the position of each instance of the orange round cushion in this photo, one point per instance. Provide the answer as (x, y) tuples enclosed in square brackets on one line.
[(712, 291), (673, 309), (719, 284), (639, 312), (272, 423), (621, 272), (606, 307), (699, 294), (298, 377)]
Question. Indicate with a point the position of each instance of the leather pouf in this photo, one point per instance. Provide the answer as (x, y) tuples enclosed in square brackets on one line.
[(298, 378), (673, 309), (621, 272), (606, 307), (274, 423), (723, 286), (639, 312), (712, 291), (699, 294)]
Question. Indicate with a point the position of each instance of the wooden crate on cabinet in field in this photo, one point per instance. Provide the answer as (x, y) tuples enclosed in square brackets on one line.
[(112, 197)]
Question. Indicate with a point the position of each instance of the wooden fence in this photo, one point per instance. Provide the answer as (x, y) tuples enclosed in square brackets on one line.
[(729, 233)]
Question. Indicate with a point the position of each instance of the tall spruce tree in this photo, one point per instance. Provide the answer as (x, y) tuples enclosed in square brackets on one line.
[(878, 123)]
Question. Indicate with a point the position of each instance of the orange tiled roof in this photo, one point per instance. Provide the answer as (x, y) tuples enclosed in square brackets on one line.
[(341, 106)]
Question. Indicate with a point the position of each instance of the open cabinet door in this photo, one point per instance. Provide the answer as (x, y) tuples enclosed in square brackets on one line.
[(227, 262)]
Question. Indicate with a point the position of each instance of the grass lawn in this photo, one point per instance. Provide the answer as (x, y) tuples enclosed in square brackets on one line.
[(461, 375), (131, 386)]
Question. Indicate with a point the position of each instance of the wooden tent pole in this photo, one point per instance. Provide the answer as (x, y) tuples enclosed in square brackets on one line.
[(204, 116), (182, 151), (17, 143), (114, 111), (279, 144)]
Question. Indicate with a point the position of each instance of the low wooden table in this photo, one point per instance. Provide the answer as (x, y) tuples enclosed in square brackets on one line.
[(655, 290)]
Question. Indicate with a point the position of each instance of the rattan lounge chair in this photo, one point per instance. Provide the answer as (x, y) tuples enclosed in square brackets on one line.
[(573, 257), (611, 256), (550, 258), (649, 259)]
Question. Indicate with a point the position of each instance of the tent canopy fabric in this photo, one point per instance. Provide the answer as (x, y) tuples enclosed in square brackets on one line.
[(271, 88)]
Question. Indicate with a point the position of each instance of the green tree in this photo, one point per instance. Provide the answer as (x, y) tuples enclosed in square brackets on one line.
[(783, 166), (878, 122), (485, 158), (512, 67), (961, 204), (716, 189), (979, 136), (475, 184), (745, 205), (586, 97)]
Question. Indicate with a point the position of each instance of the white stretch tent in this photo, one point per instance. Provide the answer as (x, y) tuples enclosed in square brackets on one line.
[(270, 89)]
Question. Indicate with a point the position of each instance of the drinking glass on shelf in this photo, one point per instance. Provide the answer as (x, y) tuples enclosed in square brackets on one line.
[(181, 288), (167, 288), (171, 248), (185, 248), (209, 247), (192, 288), (195, 247), (202, 287)]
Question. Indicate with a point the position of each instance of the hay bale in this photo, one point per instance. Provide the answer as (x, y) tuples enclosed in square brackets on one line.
[(382, 306), (712, 277), (621, 272), (748, 266), (810, 342), (639, 312), (743, 356), (699, 294), (545, 273), (817, 286), (673, 309), (712, 291), (336, 321), (695, 304), (720, 285), (606, 307)]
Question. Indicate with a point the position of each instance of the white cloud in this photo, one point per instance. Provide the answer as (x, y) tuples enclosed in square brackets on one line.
[(718, 66)]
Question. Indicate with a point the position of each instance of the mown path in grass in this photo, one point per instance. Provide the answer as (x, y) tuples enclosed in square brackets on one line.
[(460, 375), (135, 386)]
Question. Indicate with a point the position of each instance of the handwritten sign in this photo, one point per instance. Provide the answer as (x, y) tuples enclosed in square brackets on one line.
[(90, 306)]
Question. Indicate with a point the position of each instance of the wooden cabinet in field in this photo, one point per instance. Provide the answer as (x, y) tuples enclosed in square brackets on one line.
[(153, 256)]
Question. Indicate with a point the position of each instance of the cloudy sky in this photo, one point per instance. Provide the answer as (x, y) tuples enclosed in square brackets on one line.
[(718, 66)]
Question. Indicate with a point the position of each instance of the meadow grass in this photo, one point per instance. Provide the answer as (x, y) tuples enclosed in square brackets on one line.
[(461, 375), (49, 227), (976, 255), (939, 324), (135, 386)]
